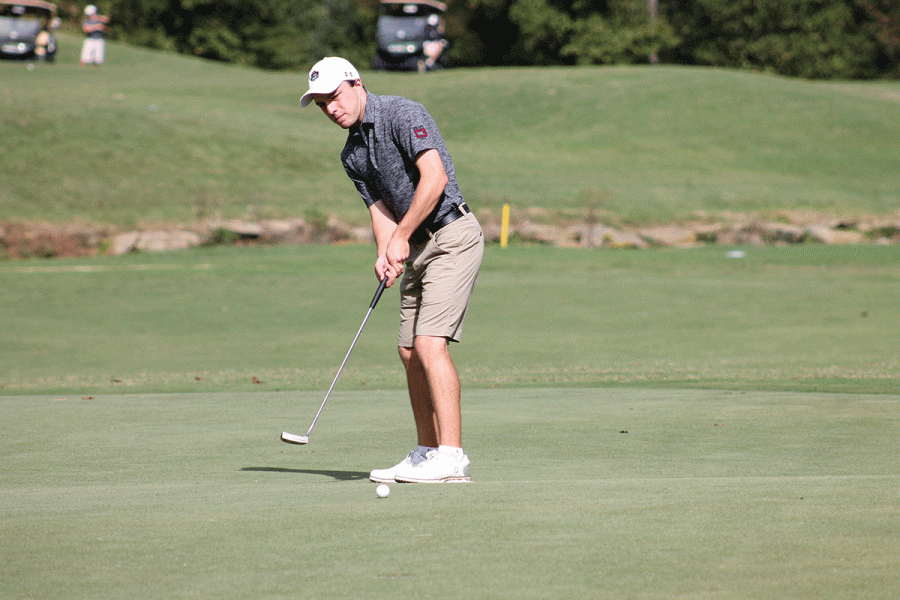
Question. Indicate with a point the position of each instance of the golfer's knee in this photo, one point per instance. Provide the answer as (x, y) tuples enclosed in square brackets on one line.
[(429, 350), (406, 355)]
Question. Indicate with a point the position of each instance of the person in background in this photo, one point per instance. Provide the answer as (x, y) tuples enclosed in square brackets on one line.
[(94, 27), (42, 48), (435, 45)]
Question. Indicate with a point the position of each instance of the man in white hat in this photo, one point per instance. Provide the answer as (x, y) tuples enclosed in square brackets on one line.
[(424, 231), (94, 26)]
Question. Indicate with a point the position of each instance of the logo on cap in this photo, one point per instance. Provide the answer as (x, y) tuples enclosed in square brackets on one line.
[(314, 75)]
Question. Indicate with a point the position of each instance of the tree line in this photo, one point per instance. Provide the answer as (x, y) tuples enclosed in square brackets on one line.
[(822, 39)]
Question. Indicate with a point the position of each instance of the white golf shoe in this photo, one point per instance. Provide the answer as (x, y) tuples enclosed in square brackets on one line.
[(438, 467), (388, 475)]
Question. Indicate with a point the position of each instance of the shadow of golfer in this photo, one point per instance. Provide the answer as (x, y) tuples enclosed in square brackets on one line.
[(338, 475)]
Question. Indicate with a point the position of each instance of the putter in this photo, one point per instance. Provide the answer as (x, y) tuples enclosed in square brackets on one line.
[(292, 438)]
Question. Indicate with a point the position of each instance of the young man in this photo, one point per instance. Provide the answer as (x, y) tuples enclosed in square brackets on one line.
[(397, 159)]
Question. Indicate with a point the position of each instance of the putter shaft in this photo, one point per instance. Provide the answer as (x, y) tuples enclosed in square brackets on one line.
[(291, 438)]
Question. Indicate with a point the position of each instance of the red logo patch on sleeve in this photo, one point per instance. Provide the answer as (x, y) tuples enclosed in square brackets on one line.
[(420, 132)]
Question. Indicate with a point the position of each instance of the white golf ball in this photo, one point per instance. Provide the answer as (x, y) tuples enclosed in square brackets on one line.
[(383, 491)]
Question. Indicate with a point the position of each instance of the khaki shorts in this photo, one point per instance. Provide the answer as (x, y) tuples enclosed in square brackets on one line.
[(438, 281)]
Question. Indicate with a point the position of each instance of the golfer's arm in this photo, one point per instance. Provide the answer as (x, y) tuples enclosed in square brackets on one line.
[(432, 181), (383, 225)]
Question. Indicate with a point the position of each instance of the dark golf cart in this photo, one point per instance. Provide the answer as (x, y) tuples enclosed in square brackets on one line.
[(411, 35), (26, 29)]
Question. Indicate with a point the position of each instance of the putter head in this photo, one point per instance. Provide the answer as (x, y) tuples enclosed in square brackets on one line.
[(291, 438)]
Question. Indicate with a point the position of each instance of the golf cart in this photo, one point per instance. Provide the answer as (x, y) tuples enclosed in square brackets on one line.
[(411, 35), (26, 29)]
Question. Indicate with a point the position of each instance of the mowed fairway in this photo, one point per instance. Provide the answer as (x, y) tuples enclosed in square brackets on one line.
[(140, 459), (810, 318), (708, 495)]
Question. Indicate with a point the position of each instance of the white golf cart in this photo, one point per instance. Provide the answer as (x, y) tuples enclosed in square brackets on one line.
[(411, 35), (26, 29)]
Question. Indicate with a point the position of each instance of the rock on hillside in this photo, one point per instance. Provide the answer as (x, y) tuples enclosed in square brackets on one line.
[(28, 240)]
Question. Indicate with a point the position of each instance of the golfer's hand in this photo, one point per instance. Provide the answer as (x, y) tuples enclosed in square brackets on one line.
[(383, 270), (396, 253)]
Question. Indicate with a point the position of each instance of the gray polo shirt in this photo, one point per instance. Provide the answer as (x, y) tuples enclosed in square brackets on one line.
[(380, 155)]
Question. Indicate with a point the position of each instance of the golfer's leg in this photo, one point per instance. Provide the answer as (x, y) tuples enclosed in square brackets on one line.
[(420, 398), (443, 383)]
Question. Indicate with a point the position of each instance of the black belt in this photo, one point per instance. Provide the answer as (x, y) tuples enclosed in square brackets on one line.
[(424, 232)]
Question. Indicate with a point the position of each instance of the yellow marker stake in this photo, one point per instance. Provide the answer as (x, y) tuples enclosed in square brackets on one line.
[(504, 226)]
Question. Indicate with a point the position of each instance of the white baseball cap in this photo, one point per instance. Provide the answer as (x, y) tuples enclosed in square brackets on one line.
[(327, 75), (90, 10)]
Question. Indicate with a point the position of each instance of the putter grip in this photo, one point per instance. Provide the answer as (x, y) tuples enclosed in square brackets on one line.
[(378, 293)]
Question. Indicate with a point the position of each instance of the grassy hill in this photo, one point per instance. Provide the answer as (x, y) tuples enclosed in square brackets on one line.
[(158, 137)]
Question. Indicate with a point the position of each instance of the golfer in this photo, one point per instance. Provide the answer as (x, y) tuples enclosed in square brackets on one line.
[(424, 231)]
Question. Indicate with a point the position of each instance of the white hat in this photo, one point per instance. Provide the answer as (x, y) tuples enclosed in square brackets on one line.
[(327, 75), (90, 10)]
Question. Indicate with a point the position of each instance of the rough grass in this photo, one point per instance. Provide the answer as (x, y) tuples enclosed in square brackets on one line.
[(158, 137), (798, 318)]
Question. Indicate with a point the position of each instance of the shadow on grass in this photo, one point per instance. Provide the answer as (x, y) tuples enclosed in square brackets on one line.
[(338, 475)]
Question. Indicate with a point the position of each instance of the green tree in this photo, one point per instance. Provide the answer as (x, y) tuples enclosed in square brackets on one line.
[(627, 34), (272, 34), (543, 31), (804, 38), (883, 23), (480, 32)]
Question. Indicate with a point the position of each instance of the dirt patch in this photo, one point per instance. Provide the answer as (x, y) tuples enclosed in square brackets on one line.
[(43, 240), (20, 240)]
